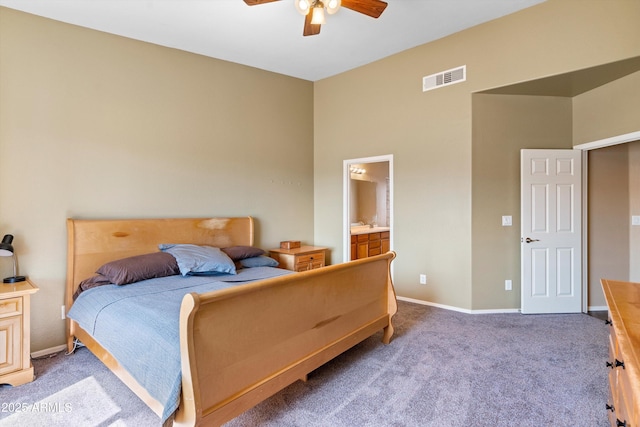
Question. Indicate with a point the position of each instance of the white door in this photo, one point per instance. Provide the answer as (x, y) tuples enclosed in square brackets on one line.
[(551, 231)]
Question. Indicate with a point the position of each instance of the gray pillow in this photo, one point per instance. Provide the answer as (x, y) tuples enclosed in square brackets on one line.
[(259, 261), (195, 259), (139, 267), (237, 253)]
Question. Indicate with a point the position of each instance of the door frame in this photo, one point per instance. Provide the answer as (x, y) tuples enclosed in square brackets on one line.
[(585, 148), (346, 197)]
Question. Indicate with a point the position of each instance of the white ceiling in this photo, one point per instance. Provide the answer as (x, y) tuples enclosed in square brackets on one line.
[(269, 36)]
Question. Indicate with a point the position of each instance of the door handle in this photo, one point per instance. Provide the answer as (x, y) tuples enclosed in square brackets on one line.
[(529, 240)]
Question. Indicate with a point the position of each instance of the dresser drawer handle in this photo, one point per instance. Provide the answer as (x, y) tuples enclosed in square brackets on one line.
[(609, 365), (619, 363), (608, 322), (621, 423), (610, 408)]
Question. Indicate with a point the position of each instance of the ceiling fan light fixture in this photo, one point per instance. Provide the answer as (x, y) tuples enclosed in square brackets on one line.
[(303, 6), (333, 6), (318, 14)]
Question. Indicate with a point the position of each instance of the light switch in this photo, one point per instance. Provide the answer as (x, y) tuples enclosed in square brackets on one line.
[(635, 219), (506, 220)]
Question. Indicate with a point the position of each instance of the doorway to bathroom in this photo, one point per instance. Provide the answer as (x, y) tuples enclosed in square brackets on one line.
[(367, 206)]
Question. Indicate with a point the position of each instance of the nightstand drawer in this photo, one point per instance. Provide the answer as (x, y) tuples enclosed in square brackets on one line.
[(309, 266), (313, 257), (10, 307), (300, 259)]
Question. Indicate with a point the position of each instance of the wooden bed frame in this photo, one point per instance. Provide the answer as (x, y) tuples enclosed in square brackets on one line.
[(240, 345)]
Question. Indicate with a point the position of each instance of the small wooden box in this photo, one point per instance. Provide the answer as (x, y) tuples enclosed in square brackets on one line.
[(290, 244)]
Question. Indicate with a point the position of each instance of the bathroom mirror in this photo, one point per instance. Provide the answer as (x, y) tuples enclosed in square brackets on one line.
[(364, 208)]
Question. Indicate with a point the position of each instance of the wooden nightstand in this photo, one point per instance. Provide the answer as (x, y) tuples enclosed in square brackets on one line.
[(299, 259), (15, 332)]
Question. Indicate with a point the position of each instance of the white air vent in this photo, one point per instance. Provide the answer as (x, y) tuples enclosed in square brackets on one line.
[(444, 78)]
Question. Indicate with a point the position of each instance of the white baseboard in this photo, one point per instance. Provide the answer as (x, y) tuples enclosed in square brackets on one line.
[(490, 311), (461, 310), (48, 351)]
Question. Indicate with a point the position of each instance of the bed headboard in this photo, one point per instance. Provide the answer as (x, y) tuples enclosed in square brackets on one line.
[(91, 243)]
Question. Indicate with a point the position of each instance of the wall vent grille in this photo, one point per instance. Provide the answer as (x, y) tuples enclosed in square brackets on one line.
[(444, 78)]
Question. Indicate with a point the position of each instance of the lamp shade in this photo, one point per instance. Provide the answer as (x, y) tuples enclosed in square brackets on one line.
[(317, 17), (303, 6), (6, 249), (5, 246), (332, 6)]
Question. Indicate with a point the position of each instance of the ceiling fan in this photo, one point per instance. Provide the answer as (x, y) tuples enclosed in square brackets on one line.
[(313, 10)]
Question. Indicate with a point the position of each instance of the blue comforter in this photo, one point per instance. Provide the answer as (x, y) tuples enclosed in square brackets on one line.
[(138, 325)]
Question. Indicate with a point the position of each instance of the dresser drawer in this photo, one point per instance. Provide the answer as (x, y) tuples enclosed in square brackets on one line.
[(10, 307), (375, 251), (613, 343), (625, 397)]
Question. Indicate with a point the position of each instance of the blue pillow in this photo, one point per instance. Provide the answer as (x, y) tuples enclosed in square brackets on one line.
[(259, 261), (195, 259)]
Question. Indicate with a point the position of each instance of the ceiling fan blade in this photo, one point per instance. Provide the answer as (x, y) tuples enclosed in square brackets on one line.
[(255, 2), (372, 8), (309, 28)]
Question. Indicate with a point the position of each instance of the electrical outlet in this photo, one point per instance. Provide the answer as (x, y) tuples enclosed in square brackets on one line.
[(62, 312), (423, 279), (507, 285)]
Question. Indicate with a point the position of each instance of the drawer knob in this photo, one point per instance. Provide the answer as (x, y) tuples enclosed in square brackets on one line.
[(621, 423), (610, 408), (619, 363), (609, 365), (608, 322)]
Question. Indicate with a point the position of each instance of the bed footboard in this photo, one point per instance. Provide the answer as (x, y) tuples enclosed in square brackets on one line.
[(242, 345)]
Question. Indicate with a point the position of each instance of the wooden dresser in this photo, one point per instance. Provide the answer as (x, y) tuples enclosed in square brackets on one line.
[(15, 338), (300, 259), (623, 301)]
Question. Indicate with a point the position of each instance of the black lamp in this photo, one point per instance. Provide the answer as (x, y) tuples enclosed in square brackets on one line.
[(7, 250)]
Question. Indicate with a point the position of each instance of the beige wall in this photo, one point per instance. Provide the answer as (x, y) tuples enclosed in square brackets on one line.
[(609, 238), (95, 125), (502, 126), (614, 174), (606, 111), (614, 196), (380, 109)]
